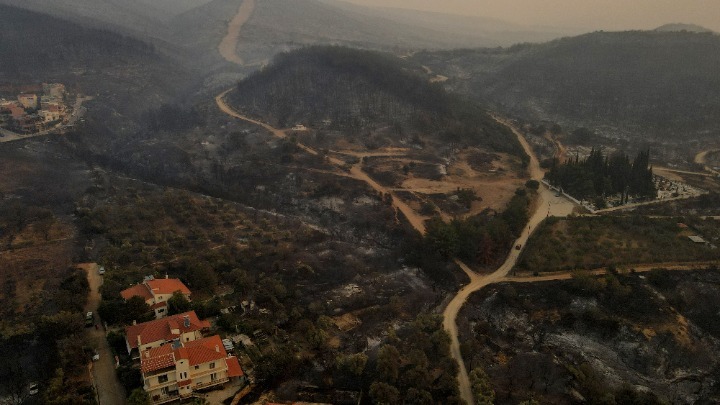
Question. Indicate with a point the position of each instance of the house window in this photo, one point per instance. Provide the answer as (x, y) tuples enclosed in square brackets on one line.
[(212, 365), (213, 376), (163, 378), (183, 375), (197, 367)]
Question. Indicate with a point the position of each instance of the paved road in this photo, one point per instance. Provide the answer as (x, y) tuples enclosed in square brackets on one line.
[(109, 389)]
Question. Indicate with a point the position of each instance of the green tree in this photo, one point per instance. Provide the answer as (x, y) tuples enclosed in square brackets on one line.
[(353, 364), (416, 396), (136, 309), (139, 397), (388, 362), (178, 303), (384, 394), (481, 388)]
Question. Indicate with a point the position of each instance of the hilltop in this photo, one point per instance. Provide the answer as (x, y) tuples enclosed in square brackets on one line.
[(361, 91), (636, 83), (677, 27)]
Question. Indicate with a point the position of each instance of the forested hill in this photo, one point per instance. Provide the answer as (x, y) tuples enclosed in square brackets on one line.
[(638, 83), (359, 91), (31, 42), (122, 72)]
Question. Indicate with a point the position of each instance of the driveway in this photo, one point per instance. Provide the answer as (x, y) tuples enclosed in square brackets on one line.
[(109, 389)]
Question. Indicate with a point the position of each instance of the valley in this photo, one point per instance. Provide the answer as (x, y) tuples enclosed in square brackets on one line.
[(360, 212)]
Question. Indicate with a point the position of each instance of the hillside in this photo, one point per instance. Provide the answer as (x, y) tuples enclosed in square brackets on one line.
[(682, 27), (646, 84), (361, 91), (123, 74), (458, 30), (142, 17), (617, 339)]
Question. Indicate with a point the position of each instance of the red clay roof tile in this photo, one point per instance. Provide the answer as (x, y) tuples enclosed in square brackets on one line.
[(162, 329)]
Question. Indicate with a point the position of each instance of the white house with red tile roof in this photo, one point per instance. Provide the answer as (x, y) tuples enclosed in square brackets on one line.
[(171, 372), (185, 327), (156, 293)]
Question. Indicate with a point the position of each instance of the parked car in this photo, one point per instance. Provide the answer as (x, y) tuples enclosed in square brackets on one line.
[(33, 388), (89, 320), (101, 270)]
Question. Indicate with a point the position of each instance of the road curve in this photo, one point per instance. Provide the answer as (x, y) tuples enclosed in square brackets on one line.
[(417, 221), (228, 45), (701, 158), (547, 204)]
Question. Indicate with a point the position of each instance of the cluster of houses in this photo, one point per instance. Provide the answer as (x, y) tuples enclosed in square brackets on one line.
[(176, 357), (34, 111)]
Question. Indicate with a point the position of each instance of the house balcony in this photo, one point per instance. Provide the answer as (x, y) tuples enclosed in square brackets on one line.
[(210, 384), (163, 399)]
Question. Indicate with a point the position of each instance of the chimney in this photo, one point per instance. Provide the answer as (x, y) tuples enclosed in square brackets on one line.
[(186, 319), (217, 348), (134, 322), (166, 276)]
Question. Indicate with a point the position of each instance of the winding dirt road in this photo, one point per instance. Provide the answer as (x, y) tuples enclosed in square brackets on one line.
[(701, 158), (228, 45), (416, 220), (546, 205)]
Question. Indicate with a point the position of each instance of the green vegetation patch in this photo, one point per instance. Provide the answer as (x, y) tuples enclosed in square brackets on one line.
[(595, 242)]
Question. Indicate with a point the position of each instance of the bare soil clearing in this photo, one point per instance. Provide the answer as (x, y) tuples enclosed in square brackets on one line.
[(548, 204), (701, 158)]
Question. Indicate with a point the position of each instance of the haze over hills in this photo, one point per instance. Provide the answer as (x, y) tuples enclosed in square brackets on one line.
[(675, 27), (277, 25), (460, 30), (653, 83), (361, 91)]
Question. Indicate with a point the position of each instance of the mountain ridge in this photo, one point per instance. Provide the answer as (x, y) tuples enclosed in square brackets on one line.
[(634, 83)]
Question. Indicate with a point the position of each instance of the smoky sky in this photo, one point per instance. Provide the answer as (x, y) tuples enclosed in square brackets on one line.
[(583, 14)]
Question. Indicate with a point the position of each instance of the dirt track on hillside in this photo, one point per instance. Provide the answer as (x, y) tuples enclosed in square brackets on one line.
[(355, 172), (228, 46)]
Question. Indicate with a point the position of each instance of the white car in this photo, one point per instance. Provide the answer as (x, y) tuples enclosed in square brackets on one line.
[(101, 270)]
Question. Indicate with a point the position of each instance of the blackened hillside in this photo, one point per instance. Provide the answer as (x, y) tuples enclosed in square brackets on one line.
[(640, 83), (123, 73), (357, 91)]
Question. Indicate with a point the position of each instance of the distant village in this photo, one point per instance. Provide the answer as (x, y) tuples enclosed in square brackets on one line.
[(37, 108)]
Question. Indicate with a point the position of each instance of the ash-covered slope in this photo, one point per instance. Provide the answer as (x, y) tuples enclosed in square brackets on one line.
[(652, 84), (359, 91)]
